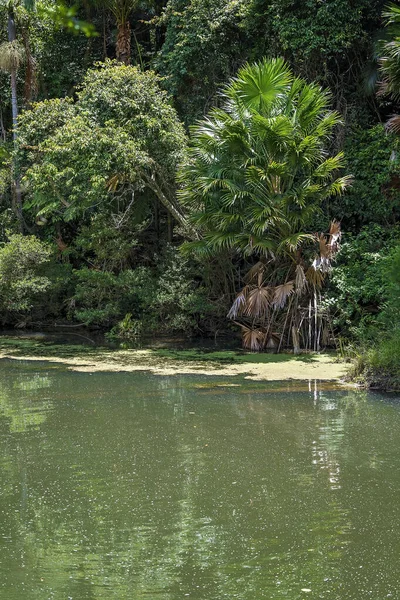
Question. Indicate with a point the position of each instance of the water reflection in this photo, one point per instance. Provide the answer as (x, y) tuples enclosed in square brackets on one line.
[(137, 486)]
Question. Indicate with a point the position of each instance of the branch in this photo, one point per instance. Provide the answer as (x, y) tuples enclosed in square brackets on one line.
[(175, 211)]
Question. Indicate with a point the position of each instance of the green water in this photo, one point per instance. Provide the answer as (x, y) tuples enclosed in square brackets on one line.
[(130, 486)]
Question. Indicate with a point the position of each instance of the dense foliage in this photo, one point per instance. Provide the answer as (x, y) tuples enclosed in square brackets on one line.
[(90, 147), (258, 172)]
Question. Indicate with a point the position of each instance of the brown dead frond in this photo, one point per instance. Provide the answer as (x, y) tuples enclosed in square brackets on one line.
[(393, 124), (324, 249), (335, 229), (239, 303), (282, 293), (335, 234), (301, 281), (254, 272), (315, 277), (253, 339), (258, 301)]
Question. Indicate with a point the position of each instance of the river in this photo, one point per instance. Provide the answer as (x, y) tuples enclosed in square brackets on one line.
[(131, 485)]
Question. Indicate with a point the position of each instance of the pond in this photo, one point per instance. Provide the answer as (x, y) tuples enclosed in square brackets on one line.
[(128, 486)]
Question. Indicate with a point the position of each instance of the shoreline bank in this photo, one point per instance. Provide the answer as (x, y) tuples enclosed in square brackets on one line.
[(259, 367)]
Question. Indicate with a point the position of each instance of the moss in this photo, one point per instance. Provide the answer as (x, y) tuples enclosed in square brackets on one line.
[(263, 367)]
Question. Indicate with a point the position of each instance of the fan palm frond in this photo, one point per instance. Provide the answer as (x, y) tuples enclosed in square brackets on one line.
[(282, 293), (253, 339), (258, 301), (335, 234), (393, 124), (239, 304), (255, 271), (257, 86)]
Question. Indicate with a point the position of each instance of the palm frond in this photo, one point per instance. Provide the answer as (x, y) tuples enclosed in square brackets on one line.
[(255, 271), (335, 234), (282, 293), (393, 124), (315, 277), (331, 164), (324, 249), (239, 303), (258, 301), (253, 339), (258, 85), (300, 281)]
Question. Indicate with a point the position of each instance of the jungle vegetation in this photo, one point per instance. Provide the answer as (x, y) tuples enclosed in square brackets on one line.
[(204, 168)]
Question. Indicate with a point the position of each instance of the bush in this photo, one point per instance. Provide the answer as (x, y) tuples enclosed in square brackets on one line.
[(372, 156), (164, 299), (358, 288), (101, 298), (22, 275), (379, 359)]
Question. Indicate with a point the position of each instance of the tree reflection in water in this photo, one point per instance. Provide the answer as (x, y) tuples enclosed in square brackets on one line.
[(131, 485)]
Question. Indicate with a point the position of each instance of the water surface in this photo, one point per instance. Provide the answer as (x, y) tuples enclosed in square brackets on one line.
[(129, 486)]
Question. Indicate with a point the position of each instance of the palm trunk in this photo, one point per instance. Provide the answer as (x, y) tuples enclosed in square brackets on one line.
[(30, 71), (14, 103), (123, 49), (296, 340), (14, 108)]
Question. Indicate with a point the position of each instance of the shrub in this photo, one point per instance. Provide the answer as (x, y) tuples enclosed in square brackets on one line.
[(22, 275)]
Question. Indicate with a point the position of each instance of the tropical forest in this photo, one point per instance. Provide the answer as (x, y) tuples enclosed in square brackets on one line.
[(199, 299), (204, 169)]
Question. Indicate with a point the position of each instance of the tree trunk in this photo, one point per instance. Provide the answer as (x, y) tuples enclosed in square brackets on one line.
[(296, 340), (30, 70), (14, 103), (14, 107), (123, 49)]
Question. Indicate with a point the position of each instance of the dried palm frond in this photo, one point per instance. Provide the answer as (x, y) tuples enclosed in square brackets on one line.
[(315, 276), (12, 55), (324, 249), (300, 280), (282, 293), (258, 301), (393, 124), (253, 339), (335, 229), (239, 304), (255, 271), (321, 263), (335, 233)]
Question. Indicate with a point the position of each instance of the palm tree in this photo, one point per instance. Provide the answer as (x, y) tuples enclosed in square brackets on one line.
[(389, 61), (13, 54), (258, 172), (121, 9), (11, 57)]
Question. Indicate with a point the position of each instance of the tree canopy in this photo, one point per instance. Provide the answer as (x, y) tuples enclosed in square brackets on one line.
[(119, 140), (259, 166)]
